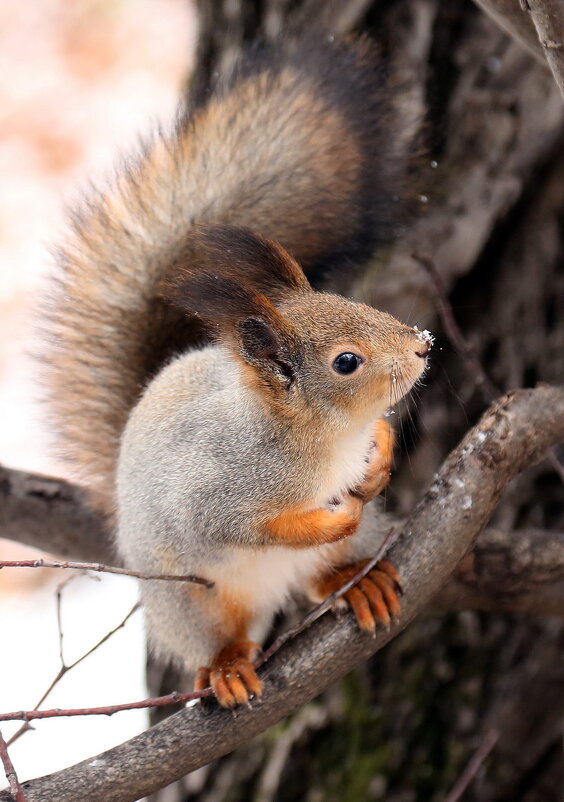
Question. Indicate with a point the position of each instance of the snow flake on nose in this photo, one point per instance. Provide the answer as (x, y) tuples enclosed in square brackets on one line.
[(424, 336)]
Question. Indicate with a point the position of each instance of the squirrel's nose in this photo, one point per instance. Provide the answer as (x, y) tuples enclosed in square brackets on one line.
[(424, 341), (423, 350)]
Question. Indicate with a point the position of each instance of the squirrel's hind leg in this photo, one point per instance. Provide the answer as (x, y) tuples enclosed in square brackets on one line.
[(230, 671), (232, 675), (209, 627), (374, 599)]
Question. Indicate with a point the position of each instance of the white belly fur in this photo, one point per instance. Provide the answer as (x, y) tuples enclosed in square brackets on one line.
[(348, 464), (263, 580)]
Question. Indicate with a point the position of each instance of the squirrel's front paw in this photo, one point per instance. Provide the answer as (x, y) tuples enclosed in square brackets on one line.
[(348, 511), (375, 599), (232, 675), (379, 462)]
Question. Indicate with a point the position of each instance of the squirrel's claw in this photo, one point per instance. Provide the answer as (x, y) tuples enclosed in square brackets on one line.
[(374, 599), (387, 568), (232, 675), (202, 680)]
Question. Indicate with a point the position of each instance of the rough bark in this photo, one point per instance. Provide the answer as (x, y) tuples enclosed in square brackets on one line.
[(52, 515), (510, 17), (547, 17), (515, 572)]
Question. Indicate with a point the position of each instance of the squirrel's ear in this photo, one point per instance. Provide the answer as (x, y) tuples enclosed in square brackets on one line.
[(269, 349), (232, 278), (245, 320), (242, 256), (258, 339)]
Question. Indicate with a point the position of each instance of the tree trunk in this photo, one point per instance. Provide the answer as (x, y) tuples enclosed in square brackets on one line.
[(490, 192)]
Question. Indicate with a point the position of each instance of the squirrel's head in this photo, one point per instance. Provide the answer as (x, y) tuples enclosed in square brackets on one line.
[(304, 351)]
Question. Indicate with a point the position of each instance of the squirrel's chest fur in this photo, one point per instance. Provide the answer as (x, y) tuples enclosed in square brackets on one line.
[(345, 465)]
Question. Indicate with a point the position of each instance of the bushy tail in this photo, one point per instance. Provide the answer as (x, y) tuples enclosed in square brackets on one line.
[(298, 145)]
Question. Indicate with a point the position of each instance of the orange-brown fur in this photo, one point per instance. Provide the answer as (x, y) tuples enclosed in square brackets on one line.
[(232, 675), (379, 463), (303, 528)]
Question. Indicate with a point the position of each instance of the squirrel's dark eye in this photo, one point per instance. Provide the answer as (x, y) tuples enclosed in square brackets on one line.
[(346, 363)]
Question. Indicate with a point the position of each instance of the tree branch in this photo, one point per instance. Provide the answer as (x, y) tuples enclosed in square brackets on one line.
[(514, 433), (101, 568), (509, 16), (518, 572), (52, 515), (548, 18), (538, 25)]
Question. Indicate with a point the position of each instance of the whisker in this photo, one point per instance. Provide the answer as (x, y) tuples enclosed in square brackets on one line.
[(451, 389), (415, 297), (408, 399), (398, 388)]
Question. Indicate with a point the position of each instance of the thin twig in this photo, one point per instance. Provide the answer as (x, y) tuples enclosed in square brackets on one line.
[(473, 766), (556, 464), (15, 785), (65, 668), (59, 602), (108, 710), (325, 605), (108, 569), (182, 698)]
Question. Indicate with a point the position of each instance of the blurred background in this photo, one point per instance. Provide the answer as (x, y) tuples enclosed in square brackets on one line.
[(78, 82)]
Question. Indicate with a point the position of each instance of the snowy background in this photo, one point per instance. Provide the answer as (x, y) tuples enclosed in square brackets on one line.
[(78, 82)]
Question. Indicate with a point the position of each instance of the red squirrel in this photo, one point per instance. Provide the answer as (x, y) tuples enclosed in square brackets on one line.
[(226, 416)]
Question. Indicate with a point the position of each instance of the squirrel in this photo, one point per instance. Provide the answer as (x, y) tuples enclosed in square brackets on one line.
[(227, 416)]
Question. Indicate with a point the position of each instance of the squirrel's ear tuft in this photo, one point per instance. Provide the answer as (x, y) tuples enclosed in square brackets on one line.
[(240, 255), (217, 299), (231, 278), (244, 320), (259, 340), (271, 350)]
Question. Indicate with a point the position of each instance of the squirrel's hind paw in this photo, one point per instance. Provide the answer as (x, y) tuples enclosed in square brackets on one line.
[(374, 599), (232, 675)]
